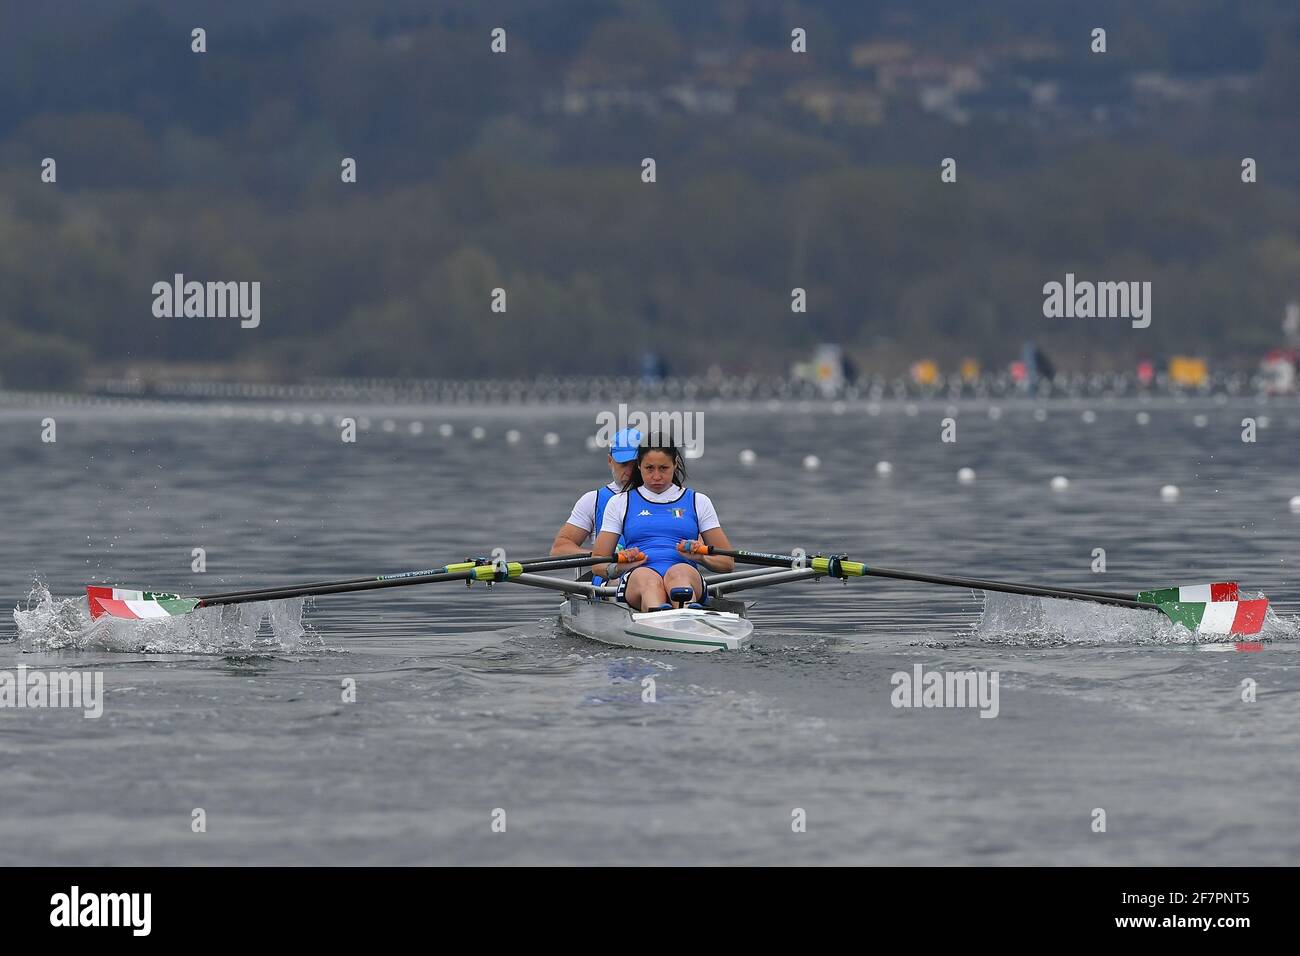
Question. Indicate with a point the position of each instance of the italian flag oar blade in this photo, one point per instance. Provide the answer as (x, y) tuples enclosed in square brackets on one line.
[(1218, 617), (136, 605), (1192, 594)]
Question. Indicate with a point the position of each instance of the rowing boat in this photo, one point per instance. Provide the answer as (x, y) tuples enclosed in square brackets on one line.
[(680, 629), (719, 622)]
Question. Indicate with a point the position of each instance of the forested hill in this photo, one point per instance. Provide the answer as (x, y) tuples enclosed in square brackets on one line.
[(523, 171)]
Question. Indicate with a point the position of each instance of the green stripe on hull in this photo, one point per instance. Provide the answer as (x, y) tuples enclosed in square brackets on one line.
[(676, 640)]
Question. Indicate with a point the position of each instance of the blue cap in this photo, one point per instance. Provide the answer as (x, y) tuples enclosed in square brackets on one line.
[(626, 444)]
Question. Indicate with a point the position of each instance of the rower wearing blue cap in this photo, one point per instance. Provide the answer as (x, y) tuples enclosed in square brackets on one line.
[(584, 521)]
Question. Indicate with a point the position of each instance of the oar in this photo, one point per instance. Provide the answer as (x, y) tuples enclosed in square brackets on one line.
[(135, 605), (1206, 609), (458, 566)]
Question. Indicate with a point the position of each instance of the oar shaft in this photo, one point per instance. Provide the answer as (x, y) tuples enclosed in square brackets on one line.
[(481, 572), (456, 566), (1008, 587), (854, 568)]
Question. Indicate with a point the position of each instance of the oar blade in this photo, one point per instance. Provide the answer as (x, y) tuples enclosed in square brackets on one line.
[(1218, 617), (1192, 594), (136, 605)]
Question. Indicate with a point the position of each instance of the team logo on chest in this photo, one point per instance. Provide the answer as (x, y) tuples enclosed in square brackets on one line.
[(679, 512)]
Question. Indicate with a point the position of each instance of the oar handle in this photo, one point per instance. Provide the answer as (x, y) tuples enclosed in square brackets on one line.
[(483, 572)]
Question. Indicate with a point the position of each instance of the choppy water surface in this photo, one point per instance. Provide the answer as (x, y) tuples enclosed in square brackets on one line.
[(469, 701)]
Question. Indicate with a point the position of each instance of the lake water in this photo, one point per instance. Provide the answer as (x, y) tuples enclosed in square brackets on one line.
[(470, 701)]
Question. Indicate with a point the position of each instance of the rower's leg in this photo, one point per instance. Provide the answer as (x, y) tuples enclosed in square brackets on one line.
[(645, 589), (684, 576)]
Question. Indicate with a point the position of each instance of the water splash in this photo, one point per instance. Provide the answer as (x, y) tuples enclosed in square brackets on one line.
[(1020, 620), (47, 623)]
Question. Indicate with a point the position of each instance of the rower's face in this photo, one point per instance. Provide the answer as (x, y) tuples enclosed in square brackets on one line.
[(657, 471), (621, 471)]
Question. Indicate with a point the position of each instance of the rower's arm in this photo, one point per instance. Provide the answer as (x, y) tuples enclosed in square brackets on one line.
[(717, 538), (569, 540)]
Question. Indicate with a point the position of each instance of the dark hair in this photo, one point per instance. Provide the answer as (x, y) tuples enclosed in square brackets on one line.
[(674, 453)]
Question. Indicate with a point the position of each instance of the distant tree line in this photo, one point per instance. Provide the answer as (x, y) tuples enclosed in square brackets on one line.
[(226, 166)]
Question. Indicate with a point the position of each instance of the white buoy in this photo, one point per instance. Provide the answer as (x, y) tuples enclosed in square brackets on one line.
[(812, 462), (277, 415), (388, 425), (363, 423), (512, 437), (1040, 414), (966, 475), (1143, 419), (1262, 421), (478, 433), (884, 469), (747, 457), (297, 418), (911, 411), (839, 408), (1170, 493), (1295, 505), (1089, 417), (592, 444), (551, 438), (1060, 483), (873, 409), (416, 428), (994, 412), (318, 419), (1200, 421), (446, 430)]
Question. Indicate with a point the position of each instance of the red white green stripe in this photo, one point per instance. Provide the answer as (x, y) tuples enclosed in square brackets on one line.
[(120, 602), (1218, 617), (1192, 593)]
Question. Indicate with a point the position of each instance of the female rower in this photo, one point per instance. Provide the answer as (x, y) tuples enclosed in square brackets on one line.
[(660, 520)]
